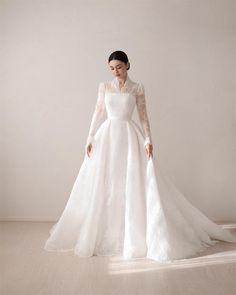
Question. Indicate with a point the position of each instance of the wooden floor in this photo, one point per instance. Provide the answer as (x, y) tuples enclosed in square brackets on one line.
[(27, 269)]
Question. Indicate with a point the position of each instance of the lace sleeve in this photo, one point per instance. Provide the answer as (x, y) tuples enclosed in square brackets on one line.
[(97, 114), (142, 112)]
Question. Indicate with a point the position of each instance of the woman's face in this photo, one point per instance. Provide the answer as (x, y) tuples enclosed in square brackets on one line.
[(118, 68)]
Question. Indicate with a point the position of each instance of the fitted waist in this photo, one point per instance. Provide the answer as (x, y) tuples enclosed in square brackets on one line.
[(122, 118)]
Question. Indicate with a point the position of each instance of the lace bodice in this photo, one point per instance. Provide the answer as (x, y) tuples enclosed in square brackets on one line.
[(129, 95)]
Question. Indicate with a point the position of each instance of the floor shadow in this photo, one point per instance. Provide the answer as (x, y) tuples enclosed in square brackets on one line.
[(219, 254)]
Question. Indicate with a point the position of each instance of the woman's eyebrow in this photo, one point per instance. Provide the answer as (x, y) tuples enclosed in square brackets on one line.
[(116, 65)]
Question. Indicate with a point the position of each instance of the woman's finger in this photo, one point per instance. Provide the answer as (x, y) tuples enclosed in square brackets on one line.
[(88, 150)]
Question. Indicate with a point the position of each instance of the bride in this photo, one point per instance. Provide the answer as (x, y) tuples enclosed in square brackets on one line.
[(122, 202)]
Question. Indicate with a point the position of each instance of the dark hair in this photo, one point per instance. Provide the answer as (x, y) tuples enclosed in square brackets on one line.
[(119, 55)]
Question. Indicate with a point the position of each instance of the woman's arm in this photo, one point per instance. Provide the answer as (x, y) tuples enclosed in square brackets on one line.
[(97, 114), (142, 112)]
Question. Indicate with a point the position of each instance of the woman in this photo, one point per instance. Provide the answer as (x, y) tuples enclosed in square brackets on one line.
[(122, 202)]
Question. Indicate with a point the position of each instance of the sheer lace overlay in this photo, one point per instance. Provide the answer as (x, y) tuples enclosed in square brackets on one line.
[(123, 203), (136, 90), (98, 113), (142, 111)]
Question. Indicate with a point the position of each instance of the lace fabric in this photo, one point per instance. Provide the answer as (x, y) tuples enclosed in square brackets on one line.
[(142, 111), (131, 87), (123, 203), (98, 113)]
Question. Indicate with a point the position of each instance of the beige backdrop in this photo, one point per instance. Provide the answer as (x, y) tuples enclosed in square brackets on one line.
[(54, 54)]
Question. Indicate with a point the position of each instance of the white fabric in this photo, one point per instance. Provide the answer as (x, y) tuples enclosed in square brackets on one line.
[(122, 110), (122, 203)]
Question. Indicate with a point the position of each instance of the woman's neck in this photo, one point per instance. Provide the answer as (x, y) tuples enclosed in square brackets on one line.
[(122, 81)]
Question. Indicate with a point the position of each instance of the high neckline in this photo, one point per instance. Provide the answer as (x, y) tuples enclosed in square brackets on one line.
[(116, 82)]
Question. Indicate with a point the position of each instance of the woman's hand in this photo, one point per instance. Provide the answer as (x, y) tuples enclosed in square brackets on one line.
[(88, 149), (149, 149)]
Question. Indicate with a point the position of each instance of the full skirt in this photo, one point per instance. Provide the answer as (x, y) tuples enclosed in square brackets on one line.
[(123, 203)]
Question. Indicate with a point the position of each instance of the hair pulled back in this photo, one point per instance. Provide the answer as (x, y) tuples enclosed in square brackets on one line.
[(119, 55)]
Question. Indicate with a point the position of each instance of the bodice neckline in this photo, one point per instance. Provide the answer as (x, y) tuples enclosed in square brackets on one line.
[(128, 81)]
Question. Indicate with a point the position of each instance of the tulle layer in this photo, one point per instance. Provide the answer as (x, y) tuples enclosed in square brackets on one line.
[(123, 204)]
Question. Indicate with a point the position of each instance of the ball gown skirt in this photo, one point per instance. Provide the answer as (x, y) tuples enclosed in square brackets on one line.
[(124, 204)]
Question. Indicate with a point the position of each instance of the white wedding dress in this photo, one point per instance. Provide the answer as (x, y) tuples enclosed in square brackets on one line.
[(122, 203)]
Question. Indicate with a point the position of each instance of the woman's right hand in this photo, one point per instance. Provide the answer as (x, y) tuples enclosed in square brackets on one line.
[(149, 149), (88, 149)]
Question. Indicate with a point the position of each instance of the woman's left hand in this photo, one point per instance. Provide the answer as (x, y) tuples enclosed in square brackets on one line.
[(149, 149)]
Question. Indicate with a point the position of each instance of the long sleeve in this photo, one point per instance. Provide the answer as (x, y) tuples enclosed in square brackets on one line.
[(98, 113), (142, 112)]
